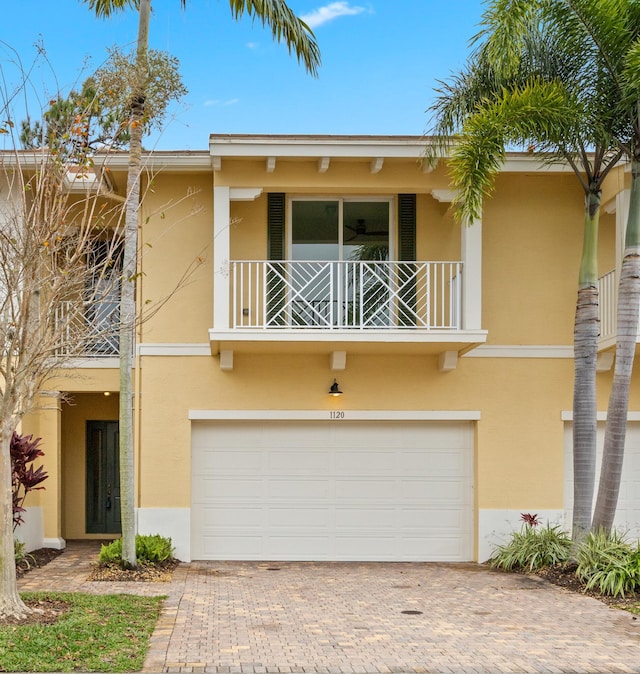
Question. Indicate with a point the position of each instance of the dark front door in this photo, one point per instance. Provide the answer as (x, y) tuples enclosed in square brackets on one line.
[(103, 478)]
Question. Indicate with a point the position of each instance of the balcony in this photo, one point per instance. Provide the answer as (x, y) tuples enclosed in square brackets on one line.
[(348, 296), (607, 290), (88, 331), (321, 306)]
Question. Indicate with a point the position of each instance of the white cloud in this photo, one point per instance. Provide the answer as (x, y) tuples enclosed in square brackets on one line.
[(214, 102), (253, 45), (333, 10)]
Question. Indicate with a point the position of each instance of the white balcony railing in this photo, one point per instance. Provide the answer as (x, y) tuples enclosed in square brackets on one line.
[(92, 333), (607, 305), (346, 295)]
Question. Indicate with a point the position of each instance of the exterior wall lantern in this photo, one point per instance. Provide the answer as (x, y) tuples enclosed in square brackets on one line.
[(335, 389)]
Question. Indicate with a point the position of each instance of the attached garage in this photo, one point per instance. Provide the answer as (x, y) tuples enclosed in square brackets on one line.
[(627, 518), (332, 490)]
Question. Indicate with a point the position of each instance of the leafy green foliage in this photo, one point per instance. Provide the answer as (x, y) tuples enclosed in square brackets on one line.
[(608, 564), (24, 451), (533, 548), (100, 114), (150, 549), (158, 76), (97, 634), (20, 554)]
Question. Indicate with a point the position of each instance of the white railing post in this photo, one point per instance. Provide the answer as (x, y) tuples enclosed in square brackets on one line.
[(221, 255), (472, 275)]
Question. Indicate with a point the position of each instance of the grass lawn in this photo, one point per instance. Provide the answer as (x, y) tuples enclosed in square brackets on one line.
[(106, 633)]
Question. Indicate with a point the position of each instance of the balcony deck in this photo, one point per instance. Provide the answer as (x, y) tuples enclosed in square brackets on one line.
[(380, 306)]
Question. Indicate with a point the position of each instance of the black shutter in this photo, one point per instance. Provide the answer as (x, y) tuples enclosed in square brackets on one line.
[(276, 290), (407, 227), (407, 253), (275, 225)]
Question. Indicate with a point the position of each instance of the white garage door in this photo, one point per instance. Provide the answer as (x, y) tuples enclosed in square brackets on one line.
[(628, 511), (343, 490)]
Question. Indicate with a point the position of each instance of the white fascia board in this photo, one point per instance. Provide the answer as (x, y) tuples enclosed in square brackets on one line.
[(322, 415), (175, 161), (567, 415), (353, 336), (318, 146)]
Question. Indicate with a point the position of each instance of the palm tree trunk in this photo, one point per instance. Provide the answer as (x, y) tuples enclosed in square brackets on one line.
[(627, 334), (10, 602), (586, 330), (127, 299)]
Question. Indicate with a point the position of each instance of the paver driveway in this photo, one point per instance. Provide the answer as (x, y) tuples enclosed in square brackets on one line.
[(353, 617)]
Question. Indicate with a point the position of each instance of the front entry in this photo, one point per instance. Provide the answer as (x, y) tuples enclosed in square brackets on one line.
[(103, 478)]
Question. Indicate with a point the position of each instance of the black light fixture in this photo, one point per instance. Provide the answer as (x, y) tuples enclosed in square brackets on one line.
[(335, 389)]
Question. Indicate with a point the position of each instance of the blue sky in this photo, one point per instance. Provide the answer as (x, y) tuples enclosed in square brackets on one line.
[(381, 60)]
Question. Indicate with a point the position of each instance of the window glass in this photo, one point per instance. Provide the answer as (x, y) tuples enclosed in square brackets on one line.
[(314, 230)]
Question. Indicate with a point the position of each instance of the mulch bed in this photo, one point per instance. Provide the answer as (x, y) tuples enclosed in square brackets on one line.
[(44, 612), (564, 576), (146, 573)]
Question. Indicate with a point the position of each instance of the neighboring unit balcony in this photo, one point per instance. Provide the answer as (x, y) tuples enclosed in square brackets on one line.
[(607, 293), (319, 306), (92, 333)]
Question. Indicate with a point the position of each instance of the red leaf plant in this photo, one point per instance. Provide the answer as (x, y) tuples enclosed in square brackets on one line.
[(24, 451), (529, 519)]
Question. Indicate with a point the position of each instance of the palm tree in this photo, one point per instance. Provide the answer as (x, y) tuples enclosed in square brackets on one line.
[(285, 26), (602, 39), (529, 86)]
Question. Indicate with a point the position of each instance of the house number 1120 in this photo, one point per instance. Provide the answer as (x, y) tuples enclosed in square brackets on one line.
[(336, 414)]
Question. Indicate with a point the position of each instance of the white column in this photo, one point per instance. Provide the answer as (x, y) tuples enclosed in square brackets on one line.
[(472, 275), (622, 213), (221, 255)]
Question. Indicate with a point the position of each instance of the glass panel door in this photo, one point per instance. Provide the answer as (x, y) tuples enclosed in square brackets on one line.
[(337, 238)]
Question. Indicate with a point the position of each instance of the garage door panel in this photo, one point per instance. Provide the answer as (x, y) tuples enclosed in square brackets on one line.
[(297, 462), (240, 461), (300, 489), (436, 490), (345, 491), (358, 518), (365, 462), (290, 547), (370, 490), (441, 548), (219, 518), (311, 518), (239, 488)]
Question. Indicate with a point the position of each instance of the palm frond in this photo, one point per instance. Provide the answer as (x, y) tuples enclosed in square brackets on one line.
[(285, 26)]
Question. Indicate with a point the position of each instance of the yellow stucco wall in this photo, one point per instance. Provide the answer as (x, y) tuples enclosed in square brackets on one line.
[(532, 237), (520, 443)]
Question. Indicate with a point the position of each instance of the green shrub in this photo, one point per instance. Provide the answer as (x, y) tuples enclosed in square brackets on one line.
[(21, 556), (608, 564), (533, 548), (154, 549), (150, 549)]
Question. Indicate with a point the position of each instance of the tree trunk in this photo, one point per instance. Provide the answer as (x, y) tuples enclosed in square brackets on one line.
[(127, 299), (586, 330), (627, 333), (10, 602)]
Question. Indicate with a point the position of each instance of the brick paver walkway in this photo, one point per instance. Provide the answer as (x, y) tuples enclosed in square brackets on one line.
[(335, 618)]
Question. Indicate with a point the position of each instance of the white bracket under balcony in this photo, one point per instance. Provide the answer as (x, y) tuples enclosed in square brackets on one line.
[(377, 164), (338, 360), (323, 164)]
